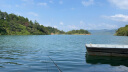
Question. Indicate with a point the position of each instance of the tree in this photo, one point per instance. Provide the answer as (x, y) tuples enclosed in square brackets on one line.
[(12, 24)]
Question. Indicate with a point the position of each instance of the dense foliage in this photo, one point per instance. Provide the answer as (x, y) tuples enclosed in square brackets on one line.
[(123, 31), (81, 31), (53, 30), (11, 24)]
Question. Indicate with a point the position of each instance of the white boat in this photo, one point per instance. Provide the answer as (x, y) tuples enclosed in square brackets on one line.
[(107, 50)]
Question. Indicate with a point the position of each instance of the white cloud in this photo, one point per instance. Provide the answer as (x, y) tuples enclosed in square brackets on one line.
[(98, 26), (87, 3), (6, 6), (42, 4), (72, 27), (61, 23), (118, 17), (50, 1), (60, 2), (28, 1), (82, 22), (25, 0), (108, 26), (122, 4), (32, 13), (17, 5), (73, 8), (55, 26), (89, 26), (18, 13)]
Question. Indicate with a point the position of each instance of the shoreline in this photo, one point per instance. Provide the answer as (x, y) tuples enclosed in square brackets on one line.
[(70, 34)]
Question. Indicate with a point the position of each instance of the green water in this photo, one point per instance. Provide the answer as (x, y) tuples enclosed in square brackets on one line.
[(30, 53)]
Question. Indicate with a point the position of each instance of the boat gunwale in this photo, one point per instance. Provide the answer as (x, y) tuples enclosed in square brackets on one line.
[(107, 46)]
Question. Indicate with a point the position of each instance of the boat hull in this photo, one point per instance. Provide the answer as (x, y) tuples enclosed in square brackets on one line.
[(107, 51)]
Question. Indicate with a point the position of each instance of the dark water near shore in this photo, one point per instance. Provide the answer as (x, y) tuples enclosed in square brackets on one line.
[(30, 54)]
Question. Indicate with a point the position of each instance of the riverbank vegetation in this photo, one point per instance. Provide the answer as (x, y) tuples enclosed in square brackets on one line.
[(11, 24), (123, 31), (53, 30)]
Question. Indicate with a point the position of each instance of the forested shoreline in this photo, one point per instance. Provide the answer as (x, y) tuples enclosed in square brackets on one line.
[(123, 31), (11, 24)]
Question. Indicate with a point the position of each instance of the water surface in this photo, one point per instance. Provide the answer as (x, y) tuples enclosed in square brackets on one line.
[(30, 53)]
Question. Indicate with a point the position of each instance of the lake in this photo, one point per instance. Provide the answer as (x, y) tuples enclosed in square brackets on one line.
[(30, 53)]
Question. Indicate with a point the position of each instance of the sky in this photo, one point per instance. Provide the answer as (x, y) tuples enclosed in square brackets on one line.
[(71, 14)]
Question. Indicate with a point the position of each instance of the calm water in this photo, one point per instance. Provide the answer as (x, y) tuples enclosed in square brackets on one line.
[(30, 54)]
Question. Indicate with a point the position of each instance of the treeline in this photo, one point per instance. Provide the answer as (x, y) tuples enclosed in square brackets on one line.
[(77, 32), (53, 30), (11, 24), (123, 31)]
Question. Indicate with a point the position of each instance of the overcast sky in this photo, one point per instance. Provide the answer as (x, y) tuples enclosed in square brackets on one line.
[(71, 14)]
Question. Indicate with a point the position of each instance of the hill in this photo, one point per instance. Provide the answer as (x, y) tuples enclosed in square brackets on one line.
[(11, 24), (123, 31)]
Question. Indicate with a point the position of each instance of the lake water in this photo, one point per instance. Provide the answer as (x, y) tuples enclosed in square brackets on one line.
[(31, 53)]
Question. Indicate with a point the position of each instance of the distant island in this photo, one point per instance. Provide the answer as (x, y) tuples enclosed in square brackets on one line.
[(78, 32), (123, 31), (55, 31), (11, 24)]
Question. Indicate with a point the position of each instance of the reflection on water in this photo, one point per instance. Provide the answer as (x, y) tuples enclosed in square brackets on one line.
[(113, 61), (30, 53)]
